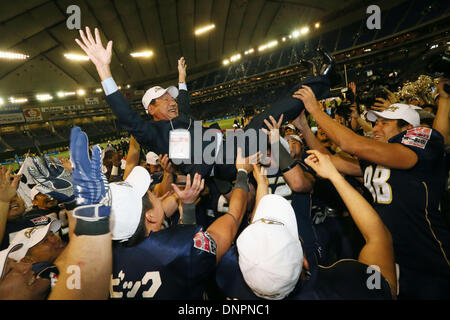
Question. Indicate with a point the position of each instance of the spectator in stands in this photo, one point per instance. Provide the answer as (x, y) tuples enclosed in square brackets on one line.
[(404, 169)]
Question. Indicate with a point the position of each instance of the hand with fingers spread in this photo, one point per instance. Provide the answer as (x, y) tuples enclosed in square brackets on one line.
[(321, 164), (308, 98), (99, 55), (274, 129), (7, 187), (190, 192), (182, 70), (53, 179), (91, 187)]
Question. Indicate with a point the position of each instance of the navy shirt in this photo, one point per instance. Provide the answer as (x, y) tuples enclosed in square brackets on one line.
[(301, 203), (170, 264), (408, 202), (345, 279)]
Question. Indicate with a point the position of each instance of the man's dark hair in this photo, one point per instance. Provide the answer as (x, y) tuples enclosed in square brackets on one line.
[(139, 235), (402, 123)]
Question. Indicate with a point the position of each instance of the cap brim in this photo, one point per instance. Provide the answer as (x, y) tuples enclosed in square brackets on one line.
[(275, 207), (4, 254)]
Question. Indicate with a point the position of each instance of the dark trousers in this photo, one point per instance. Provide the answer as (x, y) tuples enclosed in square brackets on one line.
[(287, 106)]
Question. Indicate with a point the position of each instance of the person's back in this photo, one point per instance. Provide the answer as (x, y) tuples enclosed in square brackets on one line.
[(169, 264)]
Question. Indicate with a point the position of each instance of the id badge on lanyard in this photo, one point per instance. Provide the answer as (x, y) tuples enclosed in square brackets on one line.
[(179, 144)]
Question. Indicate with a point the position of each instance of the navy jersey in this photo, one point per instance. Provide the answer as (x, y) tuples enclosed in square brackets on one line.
[(171, 264), (301, 203), (408, 203), (345, 279), (211, 206)]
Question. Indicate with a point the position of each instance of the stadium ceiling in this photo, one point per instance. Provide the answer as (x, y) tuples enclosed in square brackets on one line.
[(38, 29)]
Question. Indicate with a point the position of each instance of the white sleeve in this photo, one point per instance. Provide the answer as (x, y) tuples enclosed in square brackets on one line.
[(109, 86), (181, 86)]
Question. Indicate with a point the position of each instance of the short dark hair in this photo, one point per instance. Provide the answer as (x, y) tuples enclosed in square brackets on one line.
[(402, 123), (139, 234)]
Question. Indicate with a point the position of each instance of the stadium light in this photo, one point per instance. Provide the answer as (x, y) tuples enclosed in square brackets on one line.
[(81, 92), (304, 30), (295, 34), (98, 90), (283, 39), (142, 54), (13, 56), (128, 86), (249, 51), (317, 25), (202, 30), (235, 57), (44, 97), (62, 94), (2, 101), (20, 100), (76, 57), (226, 62), (268, 45)]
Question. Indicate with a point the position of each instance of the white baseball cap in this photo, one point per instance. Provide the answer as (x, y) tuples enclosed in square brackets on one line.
[(30, 237), (152, 158), (294, 137), (126, 208), (270, 252), (395, 112), (156, 92)]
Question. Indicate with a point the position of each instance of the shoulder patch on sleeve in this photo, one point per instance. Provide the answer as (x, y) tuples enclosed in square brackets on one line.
[(203, 241), (417, 137)]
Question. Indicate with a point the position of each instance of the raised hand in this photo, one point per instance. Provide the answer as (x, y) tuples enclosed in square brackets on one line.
[(7, 187), (166, 164), (91, 186), (381, 104), (274, 129), (190, 192), (308, 98), (182, 70), (53, 179), (99, 55), (300, 122), (245, 163), (321, 164), (260, 175)]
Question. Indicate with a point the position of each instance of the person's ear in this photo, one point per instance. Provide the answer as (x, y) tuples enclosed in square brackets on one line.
[(150, 109)]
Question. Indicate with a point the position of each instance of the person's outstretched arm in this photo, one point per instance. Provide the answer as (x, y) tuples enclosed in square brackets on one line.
[(441, 122), (86, 264), (378, 249), (130, 120), (223, 230)]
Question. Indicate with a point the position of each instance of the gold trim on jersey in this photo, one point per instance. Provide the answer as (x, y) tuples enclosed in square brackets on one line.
[(331, 266), (429, 224)]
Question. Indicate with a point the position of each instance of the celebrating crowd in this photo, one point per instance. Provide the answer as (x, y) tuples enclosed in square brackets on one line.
[(347, 202)]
